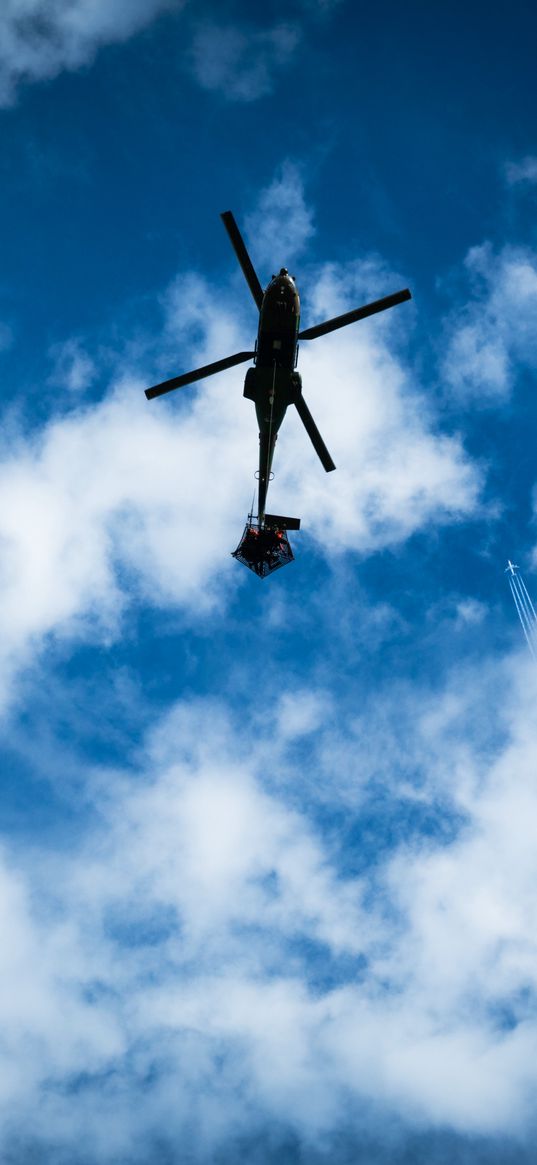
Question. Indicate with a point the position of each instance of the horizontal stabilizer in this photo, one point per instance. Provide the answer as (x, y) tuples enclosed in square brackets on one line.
[(277, 522)]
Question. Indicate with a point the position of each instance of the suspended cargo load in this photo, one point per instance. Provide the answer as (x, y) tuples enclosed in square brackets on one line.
[(265, 548)]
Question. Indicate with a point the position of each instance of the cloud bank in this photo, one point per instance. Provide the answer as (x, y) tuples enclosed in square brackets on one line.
[(203, 954)]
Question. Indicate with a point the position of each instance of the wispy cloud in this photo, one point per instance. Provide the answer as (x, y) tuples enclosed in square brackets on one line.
[(6, 337), (40, 38), (73, 367), (523, 172), (282, 223), (241, 63)]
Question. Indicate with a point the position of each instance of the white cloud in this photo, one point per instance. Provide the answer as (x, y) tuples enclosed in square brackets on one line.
[(495, 331), (119, 487), (227, 856), (39, 38), (241, 63)]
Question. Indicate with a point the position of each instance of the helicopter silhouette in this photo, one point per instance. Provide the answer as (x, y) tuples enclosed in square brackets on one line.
[(274, 383)]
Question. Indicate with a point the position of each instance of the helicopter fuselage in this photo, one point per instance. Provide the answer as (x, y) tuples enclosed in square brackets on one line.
[(279, 321), (273, 383)]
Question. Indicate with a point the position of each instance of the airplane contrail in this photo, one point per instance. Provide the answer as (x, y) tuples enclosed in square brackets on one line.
[(524, 606)]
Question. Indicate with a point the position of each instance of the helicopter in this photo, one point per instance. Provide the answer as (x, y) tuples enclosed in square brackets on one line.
[(273, 383)]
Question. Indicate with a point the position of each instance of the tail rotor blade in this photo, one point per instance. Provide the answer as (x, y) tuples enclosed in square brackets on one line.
[(239, 246), (314, 434), (359, 313), (198, 374)]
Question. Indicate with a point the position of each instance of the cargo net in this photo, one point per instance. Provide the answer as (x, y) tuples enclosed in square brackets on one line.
[(263, 549)]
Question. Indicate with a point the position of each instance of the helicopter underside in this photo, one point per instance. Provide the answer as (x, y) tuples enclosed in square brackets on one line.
[(273, 384), (263, 383)]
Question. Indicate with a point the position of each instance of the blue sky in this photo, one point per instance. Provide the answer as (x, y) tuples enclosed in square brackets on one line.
[(267, 855)]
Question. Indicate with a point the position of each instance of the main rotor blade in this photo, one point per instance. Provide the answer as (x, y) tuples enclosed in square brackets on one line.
[(313, 433), (359, 313), (198, 374), (239, 246)]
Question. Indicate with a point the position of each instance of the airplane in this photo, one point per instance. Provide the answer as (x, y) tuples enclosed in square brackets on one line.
[(273, 383), (511, 567)]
